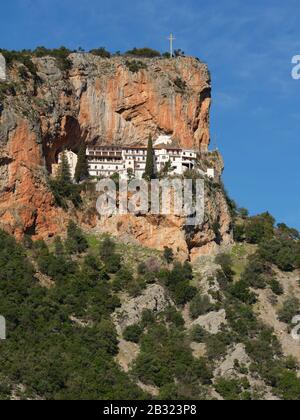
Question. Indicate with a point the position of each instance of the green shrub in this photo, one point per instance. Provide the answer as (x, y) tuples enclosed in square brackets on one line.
[(281, 251), (183, 293), (113, 263), (199, 334), (136, 286), (225, 261), (142, 268), (166, 358), (239, 232), (101, 52), (55, 266), (229, 389), (180, 84), (174, 317), (109, 255), (178, 282), (135, 66), (216, 345), (259, 228), (59, 247), (148, 318), (76, 242), (122, 279), (168, 255), (288, 385), (143, 52), (200, 305), (289, 309), (276, 287), (240, 290), (133, 333), (203, 371), (60, 54), (256, 272), (6, 89)]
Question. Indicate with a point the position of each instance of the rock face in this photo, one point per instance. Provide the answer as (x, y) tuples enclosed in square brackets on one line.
[(96, 100), (154, 298), (212, 322), (211, 236)]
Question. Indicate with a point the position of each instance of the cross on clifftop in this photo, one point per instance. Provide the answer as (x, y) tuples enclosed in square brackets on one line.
[(171, 39)]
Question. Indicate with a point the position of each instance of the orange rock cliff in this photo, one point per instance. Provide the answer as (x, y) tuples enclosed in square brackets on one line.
[(97, 100)]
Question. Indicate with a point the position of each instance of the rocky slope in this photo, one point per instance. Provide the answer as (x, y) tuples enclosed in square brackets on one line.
[(109, 102)]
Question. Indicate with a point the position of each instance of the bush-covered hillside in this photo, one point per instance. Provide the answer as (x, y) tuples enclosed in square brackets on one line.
[(64, 339)]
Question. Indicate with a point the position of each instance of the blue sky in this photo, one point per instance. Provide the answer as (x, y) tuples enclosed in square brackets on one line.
[(248, 47)]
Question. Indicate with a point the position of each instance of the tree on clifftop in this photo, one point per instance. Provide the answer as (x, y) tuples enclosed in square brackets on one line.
[(149, 170), (82, 169)]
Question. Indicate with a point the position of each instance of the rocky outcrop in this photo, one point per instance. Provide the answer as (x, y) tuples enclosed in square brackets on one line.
[(212, 322), (26, 202), (212, 236), (154, 299), (227, 368), (96, 100)]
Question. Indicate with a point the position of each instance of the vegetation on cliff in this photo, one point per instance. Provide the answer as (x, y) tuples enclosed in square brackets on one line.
[(62, 187), (70, 339)]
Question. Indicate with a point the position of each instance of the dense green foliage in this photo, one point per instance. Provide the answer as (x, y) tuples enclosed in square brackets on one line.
[(25, 57), (70, 342), (149, 169), (200, 305), (143, 52), (180, 84), (110, 257), (177, 280), (278, 245), (101, 52), (135, 65), (262, 346), (168, 255), (166, 360), (48, 349), (62, 186), (6, 89), (289, 309)]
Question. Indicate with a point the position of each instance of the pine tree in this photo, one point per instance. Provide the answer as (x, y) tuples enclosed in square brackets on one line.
[(149, 170), (82, 169), (64, 172), (76, 242)]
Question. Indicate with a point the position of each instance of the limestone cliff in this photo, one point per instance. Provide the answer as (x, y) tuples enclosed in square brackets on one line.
[(108, 101)]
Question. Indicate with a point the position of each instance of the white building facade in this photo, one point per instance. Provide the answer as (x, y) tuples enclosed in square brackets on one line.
[(104, 161), (72, 160), (2, 68)]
